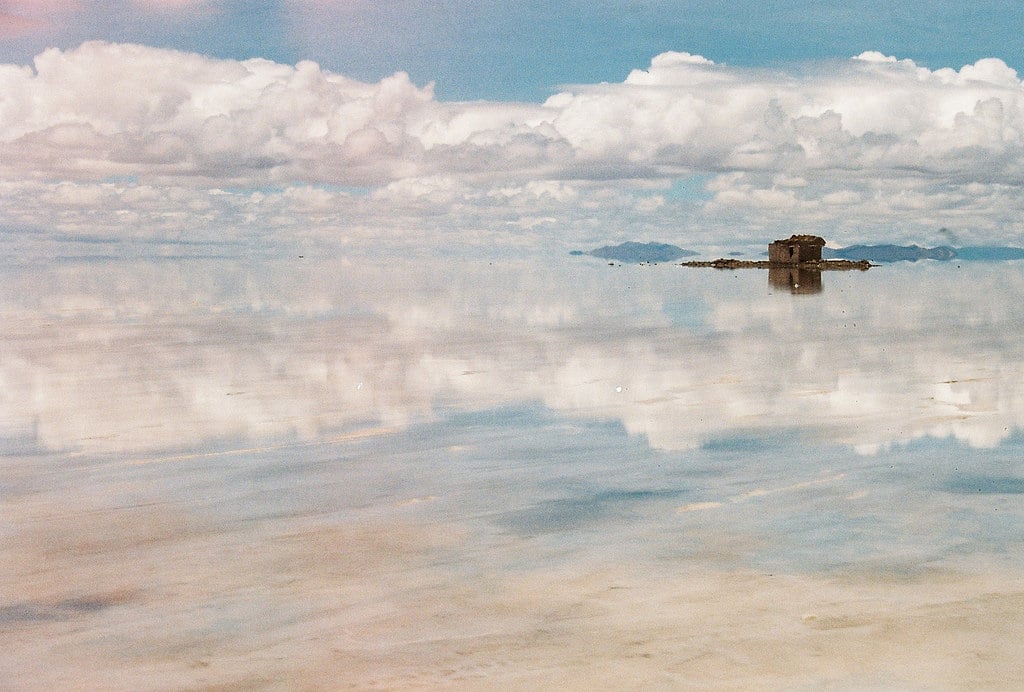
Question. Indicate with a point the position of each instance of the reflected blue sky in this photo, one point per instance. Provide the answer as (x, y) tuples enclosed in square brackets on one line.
[(208, 456)]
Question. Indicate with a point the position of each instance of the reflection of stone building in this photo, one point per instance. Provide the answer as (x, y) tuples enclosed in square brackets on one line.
[(795, 279), (797, 249)]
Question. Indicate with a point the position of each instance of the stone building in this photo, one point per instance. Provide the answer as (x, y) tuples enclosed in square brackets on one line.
[(797, 249)]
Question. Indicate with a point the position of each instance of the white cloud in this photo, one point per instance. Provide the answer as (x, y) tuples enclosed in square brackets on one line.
[(163, 113), (850, 141), (106, 109)]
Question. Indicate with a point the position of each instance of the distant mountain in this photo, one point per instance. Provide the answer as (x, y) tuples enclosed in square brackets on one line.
[(990, 253), (889, 253), (638, 252), (912, 253)]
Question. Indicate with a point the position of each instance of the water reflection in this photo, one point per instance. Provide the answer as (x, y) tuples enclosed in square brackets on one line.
[(136, 356), (533, 474), (795, 279)]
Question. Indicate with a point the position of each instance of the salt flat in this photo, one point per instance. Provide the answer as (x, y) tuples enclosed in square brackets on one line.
[(546, 473)]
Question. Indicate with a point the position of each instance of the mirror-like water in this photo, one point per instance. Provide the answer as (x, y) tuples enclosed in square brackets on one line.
[(544, 471)]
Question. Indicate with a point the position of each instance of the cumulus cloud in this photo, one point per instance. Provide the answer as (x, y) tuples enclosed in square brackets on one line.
[(161, 113), (122, 109), (856, 139)]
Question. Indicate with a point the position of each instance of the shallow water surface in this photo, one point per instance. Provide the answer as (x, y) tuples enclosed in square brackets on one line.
[(340, 472)]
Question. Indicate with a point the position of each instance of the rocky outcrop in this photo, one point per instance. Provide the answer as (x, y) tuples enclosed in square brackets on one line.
[(814, 265)]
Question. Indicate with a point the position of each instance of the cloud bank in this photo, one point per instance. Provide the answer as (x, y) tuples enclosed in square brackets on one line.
[(864, 139), (105, 109)]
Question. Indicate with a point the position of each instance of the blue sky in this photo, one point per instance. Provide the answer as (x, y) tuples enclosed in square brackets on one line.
[(525, 50), (521, 123)]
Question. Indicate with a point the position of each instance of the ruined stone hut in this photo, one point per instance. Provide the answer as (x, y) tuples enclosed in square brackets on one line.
[(797, 249)]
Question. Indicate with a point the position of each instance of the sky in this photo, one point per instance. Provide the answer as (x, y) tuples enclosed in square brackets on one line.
[(700, 123), (483, 49)]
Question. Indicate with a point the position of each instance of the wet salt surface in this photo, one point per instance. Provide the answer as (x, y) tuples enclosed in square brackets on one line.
[(332, 474)]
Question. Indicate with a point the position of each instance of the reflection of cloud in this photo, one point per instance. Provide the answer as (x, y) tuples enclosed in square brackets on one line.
[(158, 356), (761, 492)]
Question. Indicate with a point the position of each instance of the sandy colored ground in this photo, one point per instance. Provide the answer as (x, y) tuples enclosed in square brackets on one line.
[(149, 598)]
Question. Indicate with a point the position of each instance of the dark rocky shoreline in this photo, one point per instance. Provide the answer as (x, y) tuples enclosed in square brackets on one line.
[(814, 265), (651, 253)]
